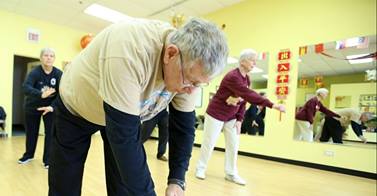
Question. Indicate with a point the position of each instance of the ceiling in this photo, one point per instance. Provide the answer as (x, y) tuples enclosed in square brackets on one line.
[(70, 12), (313, 64), (317, 64)]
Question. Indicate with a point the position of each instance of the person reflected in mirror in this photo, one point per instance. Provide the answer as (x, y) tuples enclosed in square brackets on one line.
[(334, 127), (253, 122), (147, 127), (41, 89), (305, 116), (3, 116), (199, 122), (226, 111)]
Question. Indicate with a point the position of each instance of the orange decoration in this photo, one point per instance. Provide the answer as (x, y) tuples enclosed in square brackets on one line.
[(304, 82), (318, 80), (178, 20), (85, 40), (319, 48), (303, 50)]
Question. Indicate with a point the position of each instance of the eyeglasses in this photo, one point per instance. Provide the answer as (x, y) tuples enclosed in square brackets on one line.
[(189, 84)]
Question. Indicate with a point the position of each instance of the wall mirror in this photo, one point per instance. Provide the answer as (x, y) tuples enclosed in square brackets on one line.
[(347, 69)]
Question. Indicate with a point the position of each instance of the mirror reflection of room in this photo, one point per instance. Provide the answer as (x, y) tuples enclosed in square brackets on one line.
[(336, 97)]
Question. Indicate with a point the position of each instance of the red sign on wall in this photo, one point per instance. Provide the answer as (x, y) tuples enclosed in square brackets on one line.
[(282, 90), (282, 79), (283, 67), (286, 55)]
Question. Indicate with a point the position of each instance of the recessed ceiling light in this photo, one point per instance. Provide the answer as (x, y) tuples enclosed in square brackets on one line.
[(358, 61), (105, 13), (232, 60)]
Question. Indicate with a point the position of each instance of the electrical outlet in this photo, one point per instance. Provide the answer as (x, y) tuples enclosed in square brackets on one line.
[(329, 153)]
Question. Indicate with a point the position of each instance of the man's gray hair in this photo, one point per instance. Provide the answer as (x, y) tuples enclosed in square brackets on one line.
[(322, 91), (44, 50), (248, 54), (202, 41)]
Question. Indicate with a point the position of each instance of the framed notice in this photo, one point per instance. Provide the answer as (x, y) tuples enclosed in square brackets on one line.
[(367, 103)]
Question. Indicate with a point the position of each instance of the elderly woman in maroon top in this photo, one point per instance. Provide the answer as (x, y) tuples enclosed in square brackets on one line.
[(305, 116), (226, 111)]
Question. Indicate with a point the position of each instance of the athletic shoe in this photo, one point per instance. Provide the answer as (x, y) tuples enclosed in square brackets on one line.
[(236, 179), (162, 158), (200, 174), (24, 160)]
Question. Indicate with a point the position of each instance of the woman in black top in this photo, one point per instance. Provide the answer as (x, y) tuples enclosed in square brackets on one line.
[(40, 88), (3, 116), (253, 121)]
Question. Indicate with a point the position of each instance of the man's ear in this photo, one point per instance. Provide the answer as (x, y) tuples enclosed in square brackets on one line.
[(171, 51)]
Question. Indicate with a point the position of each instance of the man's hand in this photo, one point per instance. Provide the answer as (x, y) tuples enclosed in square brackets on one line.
[(46, 109), (279, 107), (362, 138), (254, 124), (174, 190), (233, 100), (46, 92)]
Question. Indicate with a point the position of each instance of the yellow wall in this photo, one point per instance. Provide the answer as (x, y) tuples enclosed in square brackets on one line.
[(271, 25), (13, 41)]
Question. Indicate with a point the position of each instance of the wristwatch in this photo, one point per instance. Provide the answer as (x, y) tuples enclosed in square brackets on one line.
[(178, 182)]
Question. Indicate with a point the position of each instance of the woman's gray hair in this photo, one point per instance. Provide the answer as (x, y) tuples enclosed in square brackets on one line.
[(248, 54), (368, 115), (44, 50), (202, 41), (322, 91)]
